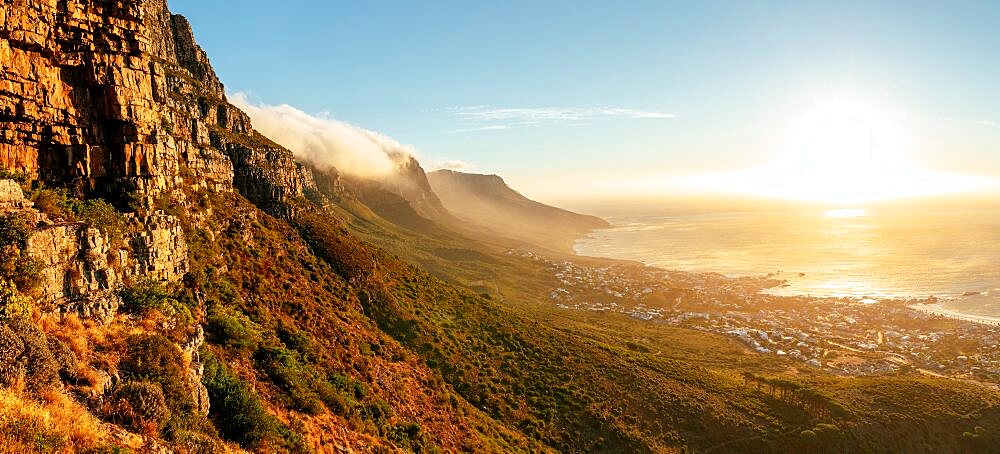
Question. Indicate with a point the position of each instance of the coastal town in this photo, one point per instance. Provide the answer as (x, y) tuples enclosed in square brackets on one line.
[(844, 336)]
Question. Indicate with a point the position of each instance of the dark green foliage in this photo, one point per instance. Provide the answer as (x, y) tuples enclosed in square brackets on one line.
[(237, 410), (14, 230), (147, 295), (7, 174), (408, 436), (144, 295), (158, 360), (102, 215), (232, 329), (55, 203), (297, 379), (376, 411), (299, 341), (60, 205), (349, 386), (15, 265), (139, 405)]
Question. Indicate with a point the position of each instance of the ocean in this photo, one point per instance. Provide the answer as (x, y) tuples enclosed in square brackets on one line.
[(944, 249)]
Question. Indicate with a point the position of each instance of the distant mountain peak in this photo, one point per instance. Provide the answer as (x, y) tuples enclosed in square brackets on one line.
[(487, 201)]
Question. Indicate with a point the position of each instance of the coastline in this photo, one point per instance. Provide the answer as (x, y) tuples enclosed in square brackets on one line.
[(938, 309)]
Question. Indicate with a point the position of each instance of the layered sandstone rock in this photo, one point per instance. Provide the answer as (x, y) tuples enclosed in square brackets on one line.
[(11, 196), (106, 92), (117, 98), (78, 275), (81, 271), (158, 248)]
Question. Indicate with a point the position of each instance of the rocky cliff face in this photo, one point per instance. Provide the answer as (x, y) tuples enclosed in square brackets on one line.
[(116, 98), (80, 270), (107, 94)]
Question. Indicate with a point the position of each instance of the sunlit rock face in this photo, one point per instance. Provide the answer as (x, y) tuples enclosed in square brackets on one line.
[(118, 94), (117, 99), (81, 270)]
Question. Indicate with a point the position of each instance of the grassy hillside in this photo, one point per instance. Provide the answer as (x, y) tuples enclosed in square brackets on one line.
[(319, 340), (583, 382)]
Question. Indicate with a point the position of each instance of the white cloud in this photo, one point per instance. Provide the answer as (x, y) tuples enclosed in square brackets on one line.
[(324, 141), (480, 128), (450, 165), (483, 114), (990, 123)]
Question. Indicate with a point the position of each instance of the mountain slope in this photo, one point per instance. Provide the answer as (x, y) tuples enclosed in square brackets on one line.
[(180, 277), (487, 201), (187, 309)]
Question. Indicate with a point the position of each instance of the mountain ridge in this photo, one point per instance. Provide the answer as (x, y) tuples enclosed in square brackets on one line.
[(188, 285), (487, 201)]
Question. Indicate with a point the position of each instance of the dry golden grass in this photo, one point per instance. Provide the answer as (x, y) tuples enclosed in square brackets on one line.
[(56, 423)]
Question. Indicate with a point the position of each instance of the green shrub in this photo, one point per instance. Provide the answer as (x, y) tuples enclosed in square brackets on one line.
[(55, 203), (103, 216), (146, 295), (348, 385), (15, 265), (143, 296), (298, 341), (236, 410), (158, 360), (139, 405), (233, 330), (377, 411), (12, 303), (21, 269), (18, 176), (298, 380), (14, 230), (408, 435)]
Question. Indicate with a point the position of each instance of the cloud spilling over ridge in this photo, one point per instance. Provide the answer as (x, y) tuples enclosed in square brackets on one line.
[(325, 142)]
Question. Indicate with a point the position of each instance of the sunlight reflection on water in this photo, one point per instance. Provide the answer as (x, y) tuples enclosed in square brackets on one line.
[(845, 213), (857, 252)]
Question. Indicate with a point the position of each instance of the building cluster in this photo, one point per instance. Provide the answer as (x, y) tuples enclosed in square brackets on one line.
[(846, 336)]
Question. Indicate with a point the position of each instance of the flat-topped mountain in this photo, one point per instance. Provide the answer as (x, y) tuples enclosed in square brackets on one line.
[(487, 201)]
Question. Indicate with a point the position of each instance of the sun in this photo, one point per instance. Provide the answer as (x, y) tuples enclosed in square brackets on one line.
[(841, 140), (842, 153)]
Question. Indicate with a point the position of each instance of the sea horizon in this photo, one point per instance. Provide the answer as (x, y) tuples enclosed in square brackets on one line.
[(920, 249)]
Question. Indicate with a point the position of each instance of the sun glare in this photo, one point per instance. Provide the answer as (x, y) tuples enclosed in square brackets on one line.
[(842, 213), (844, 140), (842, 152)]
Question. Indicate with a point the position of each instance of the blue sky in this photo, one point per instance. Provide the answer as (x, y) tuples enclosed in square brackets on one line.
[(555, 95)]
